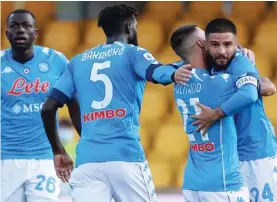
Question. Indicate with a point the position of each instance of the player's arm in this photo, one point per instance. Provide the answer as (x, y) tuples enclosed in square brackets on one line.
[(48, 115), (62, 162), (72, 104), (246, 95), (60, 94), (183, 73), (243, 98), (266, 87), (246, 81), (148, 68), (75, 114)]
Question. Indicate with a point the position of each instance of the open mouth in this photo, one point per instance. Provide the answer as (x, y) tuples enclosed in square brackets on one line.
[(221, 59), (20, 39)]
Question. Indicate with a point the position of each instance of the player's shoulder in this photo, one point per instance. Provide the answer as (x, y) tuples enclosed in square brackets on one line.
[(80, 57), (200, 75), (88, 54), (4, 53), (123, 45), (50, 53), (239, 57), (132, 48), (3, 56), (4, 68), (240, 60)]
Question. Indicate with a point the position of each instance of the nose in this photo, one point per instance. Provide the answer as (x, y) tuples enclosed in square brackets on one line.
[(20, 30), (221, 50)]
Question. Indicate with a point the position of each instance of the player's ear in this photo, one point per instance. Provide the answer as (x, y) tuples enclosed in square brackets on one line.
[(201, 43), (237, 42), (36, 33), (128, 28)]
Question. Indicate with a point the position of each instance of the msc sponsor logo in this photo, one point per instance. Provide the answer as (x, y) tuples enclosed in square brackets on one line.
[(105, 114), (27, 108), (206, 147)]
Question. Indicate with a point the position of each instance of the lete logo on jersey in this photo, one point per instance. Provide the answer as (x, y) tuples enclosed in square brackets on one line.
[(21, 86)]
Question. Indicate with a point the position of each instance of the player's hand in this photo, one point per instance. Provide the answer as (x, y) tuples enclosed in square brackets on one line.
[(205, 119), (248, 53), (183, 74), (63, 166)]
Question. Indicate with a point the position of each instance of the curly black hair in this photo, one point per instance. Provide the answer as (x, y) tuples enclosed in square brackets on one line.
[(113, 18)]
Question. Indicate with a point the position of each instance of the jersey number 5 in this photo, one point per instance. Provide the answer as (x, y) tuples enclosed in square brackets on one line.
[(94, 77)]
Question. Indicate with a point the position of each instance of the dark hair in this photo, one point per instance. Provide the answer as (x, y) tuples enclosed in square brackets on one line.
[(220, 25), (20, 11), (113, 18), (181, 34)]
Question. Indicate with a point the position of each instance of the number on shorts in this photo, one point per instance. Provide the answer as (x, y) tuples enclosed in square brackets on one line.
[(240, 199), (42, 178), (267, 194), (50, 184)]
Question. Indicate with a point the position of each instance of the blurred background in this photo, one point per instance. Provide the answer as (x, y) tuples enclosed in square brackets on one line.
[(71, 27)]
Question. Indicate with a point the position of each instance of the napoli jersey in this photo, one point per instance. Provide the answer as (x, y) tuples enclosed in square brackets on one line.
[(24, 89), (213, 163), (256, 138), (109, 82)]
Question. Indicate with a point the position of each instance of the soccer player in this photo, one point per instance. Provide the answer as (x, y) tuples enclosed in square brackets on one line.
[(256, 139), (109, 80), (212, 173), (28, 72)]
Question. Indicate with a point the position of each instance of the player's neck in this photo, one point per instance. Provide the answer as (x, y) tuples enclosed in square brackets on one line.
[(23, 56), (119, 38), (197, 62)]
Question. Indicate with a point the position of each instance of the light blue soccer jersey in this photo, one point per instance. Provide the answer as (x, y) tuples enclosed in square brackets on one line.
[(109, 82), (24, 88), (213, 163), (256, 138)]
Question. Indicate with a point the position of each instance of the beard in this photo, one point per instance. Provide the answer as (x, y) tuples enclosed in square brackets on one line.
[(218, 67)]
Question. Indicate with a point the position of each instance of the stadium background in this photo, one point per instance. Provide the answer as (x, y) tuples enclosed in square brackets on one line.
[(71, 27)]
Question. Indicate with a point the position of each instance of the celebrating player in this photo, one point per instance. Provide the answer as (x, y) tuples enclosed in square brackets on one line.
[(28, 73), (250, 145), (212, 173), (256, 138), (109, 81)]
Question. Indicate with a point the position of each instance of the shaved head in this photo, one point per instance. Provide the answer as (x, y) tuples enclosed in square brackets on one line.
[(185, 38)]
